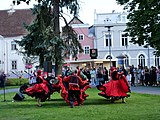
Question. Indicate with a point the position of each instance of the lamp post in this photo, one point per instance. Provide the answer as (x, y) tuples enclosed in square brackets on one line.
[(3, 53), (148, 56), (126, 59), (109, 42)]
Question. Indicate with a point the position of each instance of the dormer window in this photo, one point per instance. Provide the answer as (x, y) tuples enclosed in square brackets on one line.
[(119, 18), (13, 46), (81, 37)]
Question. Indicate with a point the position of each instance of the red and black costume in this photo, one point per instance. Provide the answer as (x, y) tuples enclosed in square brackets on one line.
[(75, 90), (42, 91), (116, 88), (39, 90)]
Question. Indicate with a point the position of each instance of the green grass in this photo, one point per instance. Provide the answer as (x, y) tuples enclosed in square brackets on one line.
[(138, 107)]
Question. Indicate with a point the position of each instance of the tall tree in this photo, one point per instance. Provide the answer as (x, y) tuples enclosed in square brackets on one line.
[(144, 22), (44, 37)]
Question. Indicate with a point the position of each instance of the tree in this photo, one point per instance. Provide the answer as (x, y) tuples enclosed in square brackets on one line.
[(144, 22), (44, 37)]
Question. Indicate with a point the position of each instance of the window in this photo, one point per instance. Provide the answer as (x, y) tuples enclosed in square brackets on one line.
[(126, 61), (80, 37), (86, 49), (141, 60), (14, 64), (124, 39), (108, 39), (157, 60), (119, 18), (13, 46), (123, 18), (109, 57)]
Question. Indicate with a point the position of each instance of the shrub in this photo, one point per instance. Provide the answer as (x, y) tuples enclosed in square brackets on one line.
[(16, 81)]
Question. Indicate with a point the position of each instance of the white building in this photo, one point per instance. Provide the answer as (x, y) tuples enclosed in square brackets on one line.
[(11, 28), (119, 42)]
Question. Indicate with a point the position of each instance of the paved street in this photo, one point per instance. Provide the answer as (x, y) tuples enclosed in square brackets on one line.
[(148, 90), (138, 89), (9, 90)]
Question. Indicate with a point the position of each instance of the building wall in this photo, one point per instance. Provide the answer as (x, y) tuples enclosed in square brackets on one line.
[(7, 56), (88, 41), (118, 21)]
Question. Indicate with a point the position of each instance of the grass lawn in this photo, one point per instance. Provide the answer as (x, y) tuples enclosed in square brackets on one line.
[(138, 107)]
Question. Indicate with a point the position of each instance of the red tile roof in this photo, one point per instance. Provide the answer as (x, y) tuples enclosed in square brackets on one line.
[(11, 25)]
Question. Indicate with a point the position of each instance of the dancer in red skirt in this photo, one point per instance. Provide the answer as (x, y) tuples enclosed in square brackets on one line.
[(116, 88)]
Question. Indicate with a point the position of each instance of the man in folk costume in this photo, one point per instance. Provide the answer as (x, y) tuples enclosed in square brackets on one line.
[(74, 93)]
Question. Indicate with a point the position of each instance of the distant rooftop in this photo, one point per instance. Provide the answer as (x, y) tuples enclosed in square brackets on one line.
[(11, 22)]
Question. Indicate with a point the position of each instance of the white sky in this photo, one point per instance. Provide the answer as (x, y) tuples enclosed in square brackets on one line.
[(86, 13)]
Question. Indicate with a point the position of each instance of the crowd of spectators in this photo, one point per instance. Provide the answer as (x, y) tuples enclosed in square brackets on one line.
[(144, 76)]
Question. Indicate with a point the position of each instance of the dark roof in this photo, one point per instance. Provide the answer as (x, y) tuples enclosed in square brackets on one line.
[(75, 20), (12, 25)]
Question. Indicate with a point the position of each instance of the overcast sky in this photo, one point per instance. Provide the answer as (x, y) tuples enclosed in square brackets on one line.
[(86, 12)]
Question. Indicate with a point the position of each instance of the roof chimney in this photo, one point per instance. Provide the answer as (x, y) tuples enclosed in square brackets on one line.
[(12, 10)]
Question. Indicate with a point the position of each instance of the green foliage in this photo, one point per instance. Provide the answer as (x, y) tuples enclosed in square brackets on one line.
[(16, 81), (144, 22), (72, 45), (43, 39)]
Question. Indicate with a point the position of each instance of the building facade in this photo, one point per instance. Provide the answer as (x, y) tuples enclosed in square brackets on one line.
[(11, 29), (86, 41), (111, 41)]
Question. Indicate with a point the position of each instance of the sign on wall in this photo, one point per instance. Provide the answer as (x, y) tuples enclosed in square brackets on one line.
[(93, 53)]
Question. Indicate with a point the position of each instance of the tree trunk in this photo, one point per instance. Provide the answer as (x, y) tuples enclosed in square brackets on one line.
[(57, 32)]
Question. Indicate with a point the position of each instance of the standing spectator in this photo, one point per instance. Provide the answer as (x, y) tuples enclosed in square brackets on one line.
[(93, 76), (132, 76), (135, 71), (99, 77), (139, 74), (153, 76), (88, 75), (128, 77), (2, 79), (82, 74), (32, 78), (158, 75), (142, 76), (105, 74), (124, 70), (147, 75)]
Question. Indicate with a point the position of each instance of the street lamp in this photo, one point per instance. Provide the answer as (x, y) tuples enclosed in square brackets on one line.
[(3, 53), (109, 42), (148, 56)]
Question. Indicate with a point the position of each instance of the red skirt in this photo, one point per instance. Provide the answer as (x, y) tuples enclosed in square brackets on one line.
[(114, 88), (38, 91)]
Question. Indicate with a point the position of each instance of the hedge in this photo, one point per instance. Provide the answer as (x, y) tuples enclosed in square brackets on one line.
[(16, 81)]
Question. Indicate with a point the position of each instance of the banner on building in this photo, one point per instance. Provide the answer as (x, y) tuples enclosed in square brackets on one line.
[(93, 53)]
